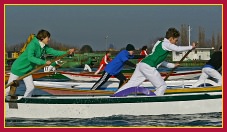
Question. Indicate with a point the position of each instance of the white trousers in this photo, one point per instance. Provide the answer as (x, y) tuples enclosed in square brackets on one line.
[(100, 67), (208, 72), (28, 83), (87, 67), (143, 72)]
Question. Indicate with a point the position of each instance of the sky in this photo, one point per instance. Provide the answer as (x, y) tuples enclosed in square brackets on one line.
[(76, 25)]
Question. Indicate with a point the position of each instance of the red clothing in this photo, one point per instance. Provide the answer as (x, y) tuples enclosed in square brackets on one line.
[(104, 62), (143, 52)]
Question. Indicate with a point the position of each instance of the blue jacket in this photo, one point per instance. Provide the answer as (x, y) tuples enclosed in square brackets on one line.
[(116, 65)]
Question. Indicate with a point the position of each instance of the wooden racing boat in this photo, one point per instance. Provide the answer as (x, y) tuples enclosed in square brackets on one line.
[(178, 101), (34, 75), (89, 76), (113, 86)]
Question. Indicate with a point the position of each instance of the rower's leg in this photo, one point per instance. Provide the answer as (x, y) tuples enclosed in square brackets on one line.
[(99, 69), (11, 92), (105, 76), (215, 74), (29, 86), (202, 78), (136, 79), (11, 78), (155, 78), (121, 78)]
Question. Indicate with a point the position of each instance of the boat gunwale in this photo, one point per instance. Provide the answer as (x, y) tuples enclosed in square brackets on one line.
[(112, 100), (168, 91)]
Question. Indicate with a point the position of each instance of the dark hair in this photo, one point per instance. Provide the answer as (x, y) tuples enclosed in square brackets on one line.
[(130, 47), (172, 32), (42, 34), (144, 47)]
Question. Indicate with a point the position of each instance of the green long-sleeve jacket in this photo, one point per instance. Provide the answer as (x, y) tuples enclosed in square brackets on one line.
[(31, 57)]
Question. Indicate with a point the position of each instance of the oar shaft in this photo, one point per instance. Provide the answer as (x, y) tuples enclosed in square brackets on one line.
[(167, 76)]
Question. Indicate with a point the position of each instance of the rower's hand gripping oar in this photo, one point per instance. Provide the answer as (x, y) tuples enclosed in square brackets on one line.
[(167, 76), (33, 71)]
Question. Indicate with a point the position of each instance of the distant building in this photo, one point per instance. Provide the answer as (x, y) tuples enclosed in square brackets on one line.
[(196, 54), (12, 54), (10, 57)]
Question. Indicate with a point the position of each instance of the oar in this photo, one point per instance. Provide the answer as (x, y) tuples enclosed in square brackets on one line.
[(167, 76), (35, 70)]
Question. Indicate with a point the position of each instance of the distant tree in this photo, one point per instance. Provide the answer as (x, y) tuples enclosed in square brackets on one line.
[(213, 41), (208, 43), (219, 41), (59, 45), (52, 43), (202, 37), (15, 47), (86, 49), (184, 35)]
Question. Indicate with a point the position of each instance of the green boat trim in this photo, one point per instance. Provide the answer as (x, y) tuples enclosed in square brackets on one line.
[(112, 100)]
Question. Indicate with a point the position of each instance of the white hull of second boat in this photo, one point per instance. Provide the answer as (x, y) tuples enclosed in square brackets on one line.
[(86, 78), (109, 84), (176, 76)]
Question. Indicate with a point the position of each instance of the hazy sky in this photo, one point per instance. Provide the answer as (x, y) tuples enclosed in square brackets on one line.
[(78, 25)]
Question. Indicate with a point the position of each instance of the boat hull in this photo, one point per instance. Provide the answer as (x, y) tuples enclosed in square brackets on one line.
[(104, 106), (111, 85), (89, 76), (34, 75)]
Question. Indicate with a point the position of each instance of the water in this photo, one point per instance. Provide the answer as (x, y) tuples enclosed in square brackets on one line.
[(191, 120)]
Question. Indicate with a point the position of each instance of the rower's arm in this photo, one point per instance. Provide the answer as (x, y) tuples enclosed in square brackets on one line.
[(139, 56), (129, 63), (168, 64)]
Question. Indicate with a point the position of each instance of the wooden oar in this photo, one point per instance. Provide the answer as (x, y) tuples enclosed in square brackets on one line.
[(35, 70), (167, 76)]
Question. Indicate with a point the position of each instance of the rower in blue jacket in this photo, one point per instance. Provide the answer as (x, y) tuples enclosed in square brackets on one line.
[(114, 67)]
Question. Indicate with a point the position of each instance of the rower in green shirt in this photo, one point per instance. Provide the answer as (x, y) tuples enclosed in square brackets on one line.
[(147, 68), (32, 57)]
